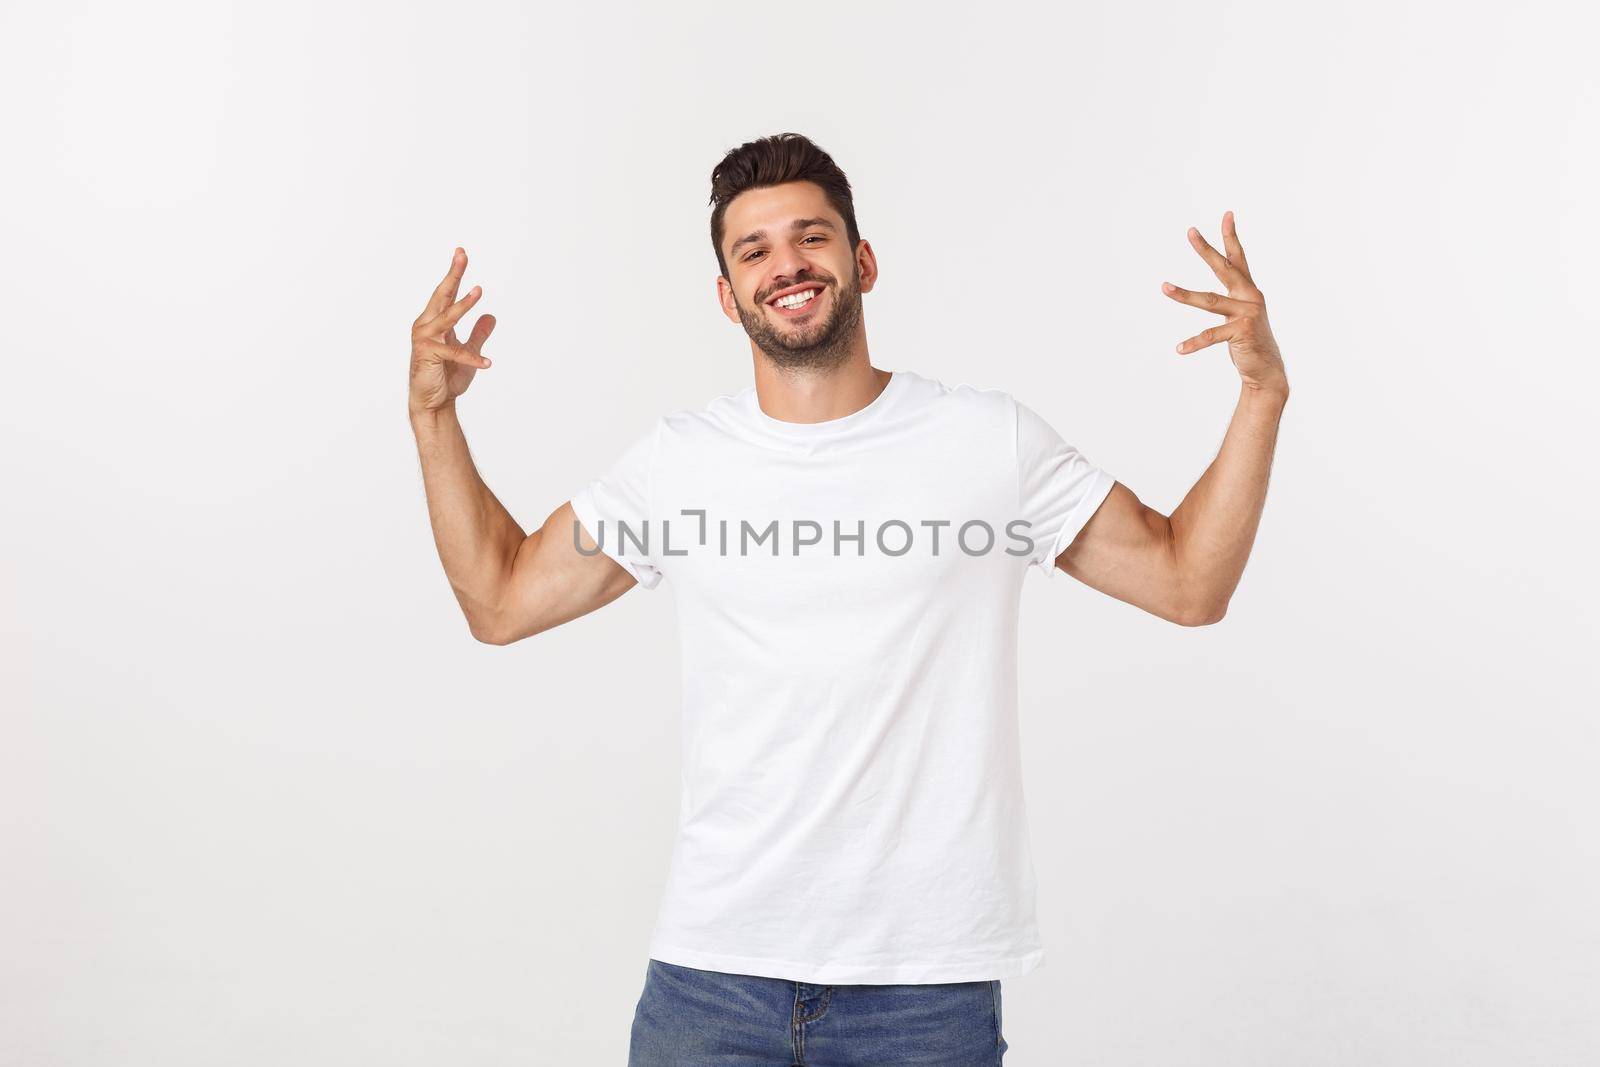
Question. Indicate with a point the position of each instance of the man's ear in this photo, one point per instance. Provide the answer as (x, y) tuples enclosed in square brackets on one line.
[(730, 308), (867, 265)]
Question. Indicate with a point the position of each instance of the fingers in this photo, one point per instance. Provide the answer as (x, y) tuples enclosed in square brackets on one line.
[(450, 315), (1231, 245), (445, 291), (453, 354), (1227, 331), (1234, 272), (1222, 305), (1226, 272), (480, 333)]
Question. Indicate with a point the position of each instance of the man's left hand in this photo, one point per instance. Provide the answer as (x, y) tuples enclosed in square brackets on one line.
[(1250, 342)]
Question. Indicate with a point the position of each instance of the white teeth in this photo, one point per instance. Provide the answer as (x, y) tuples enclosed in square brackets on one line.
[(796, 300)]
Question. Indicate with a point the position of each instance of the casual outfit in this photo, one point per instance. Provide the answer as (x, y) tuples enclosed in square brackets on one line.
[(851, 810)]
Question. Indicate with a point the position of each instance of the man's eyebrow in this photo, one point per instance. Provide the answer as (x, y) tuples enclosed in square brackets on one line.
[(797, 224)]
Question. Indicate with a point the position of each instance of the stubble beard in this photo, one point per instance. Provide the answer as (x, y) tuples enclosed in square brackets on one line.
[(816, 346)]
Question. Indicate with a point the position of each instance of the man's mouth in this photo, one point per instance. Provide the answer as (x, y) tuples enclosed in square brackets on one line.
[(795, 301)]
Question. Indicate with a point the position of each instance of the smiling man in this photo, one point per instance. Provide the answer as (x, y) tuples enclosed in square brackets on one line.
[(851, 879), (800, 327)]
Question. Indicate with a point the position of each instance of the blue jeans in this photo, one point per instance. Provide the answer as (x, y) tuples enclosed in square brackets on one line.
[(688, 1017)]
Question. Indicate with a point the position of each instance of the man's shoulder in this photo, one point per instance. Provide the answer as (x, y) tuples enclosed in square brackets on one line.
[(715, 416), (962, 397)]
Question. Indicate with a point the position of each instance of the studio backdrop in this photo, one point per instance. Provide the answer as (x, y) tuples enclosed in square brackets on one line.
[(264, 800)]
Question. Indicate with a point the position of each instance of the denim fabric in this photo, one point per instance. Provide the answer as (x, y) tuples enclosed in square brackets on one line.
[(687, 1017)]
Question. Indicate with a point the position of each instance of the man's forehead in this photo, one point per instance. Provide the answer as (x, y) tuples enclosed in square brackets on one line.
[(776, 206)]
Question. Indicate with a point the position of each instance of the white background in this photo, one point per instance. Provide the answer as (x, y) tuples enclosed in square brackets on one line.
[(264, 801)]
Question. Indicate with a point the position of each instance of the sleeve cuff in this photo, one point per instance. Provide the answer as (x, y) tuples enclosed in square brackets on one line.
[(1076, 521), (583, 507)]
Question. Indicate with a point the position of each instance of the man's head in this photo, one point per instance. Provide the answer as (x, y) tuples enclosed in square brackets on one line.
[(783, 224)]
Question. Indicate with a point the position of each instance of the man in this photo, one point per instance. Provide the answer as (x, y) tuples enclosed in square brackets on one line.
[(851, 879)]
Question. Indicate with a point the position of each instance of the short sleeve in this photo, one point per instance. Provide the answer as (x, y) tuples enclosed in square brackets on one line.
[(615, 510), (1059, 490)]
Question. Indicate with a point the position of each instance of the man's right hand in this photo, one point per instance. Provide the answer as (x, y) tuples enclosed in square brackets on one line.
[(510, 584), (441, 365)]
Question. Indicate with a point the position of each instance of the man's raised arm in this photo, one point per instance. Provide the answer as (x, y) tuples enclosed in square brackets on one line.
[(510, 585), (1185, 567)]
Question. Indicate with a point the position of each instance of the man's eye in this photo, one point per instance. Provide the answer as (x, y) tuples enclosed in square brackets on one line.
[(809, 237)]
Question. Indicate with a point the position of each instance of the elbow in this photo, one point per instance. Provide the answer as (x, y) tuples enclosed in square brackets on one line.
[(488, 635), (1201, 612), (1194, 595), (1204, 617), (490, 629)]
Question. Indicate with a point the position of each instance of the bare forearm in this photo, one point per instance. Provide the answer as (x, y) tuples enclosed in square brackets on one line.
[(476, 537), (1185, 566), (1215, 526)]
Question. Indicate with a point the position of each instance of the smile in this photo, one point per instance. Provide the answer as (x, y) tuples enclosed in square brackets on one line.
[(796, 301)]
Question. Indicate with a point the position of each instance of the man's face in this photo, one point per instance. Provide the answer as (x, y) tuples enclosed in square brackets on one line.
[(781, 242)]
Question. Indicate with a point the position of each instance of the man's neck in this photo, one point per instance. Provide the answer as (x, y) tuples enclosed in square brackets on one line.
[(817, 396)]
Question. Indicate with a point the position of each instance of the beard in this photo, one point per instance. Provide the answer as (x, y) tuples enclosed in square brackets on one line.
[(816, 344)]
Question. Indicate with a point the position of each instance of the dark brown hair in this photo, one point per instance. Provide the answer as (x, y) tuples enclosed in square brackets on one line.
[(782, 157)]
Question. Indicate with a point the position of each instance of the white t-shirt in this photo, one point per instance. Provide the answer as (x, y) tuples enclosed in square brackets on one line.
[(851, 807)]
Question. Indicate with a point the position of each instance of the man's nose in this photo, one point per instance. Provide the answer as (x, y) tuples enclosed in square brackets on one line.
[(786, 262)]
